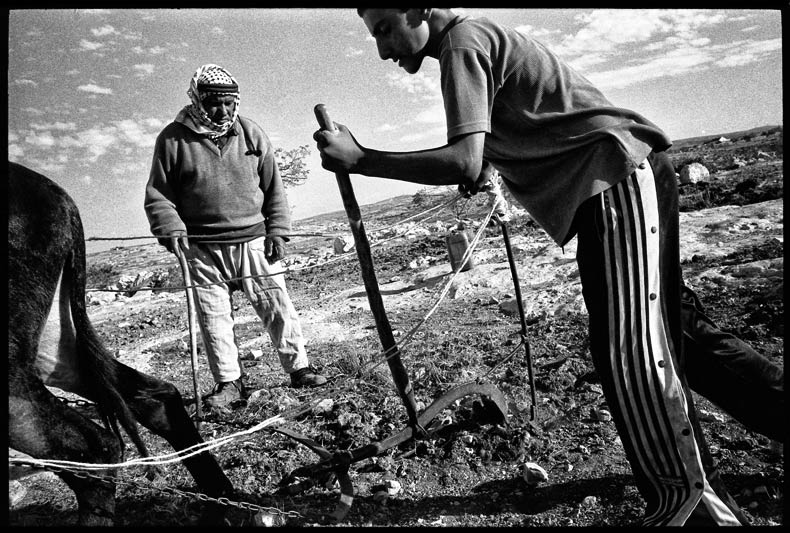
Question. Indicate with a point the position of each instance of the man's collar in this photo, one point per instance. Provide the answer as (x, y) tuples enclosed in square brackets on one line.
[(234, 130)]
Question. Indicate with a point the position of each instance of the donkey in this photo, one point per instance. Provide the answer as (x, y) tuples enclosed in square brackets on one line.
[(51, 342)]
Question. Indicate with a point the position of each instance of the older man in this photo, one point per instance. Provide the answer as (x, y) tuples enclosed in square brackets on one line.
[(215, 194)]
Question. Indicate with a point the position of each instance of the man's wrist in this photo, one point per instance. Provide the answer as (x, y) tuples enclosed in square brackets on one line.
[(365, 165)]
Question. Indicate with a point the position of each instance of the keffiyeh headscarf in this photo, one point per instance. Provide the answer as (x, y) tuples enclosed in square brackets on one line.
[(208, 80)]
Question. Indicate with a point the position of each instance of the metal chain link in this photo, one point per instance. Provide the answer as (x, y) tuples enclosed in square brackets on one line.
[(247, 506), (78, 402)]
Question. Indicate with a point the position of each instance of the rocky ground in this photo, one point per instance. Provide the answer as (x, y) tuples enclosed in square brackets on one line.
[(471, 470)]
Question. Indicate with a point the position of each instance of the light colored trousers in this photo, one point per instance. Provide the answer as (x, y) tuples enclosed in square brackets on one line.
[(211, 266)]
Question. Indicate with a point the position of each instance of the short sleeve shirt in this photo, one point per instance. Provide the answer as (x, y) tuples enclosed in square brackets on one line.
[(554, 137)]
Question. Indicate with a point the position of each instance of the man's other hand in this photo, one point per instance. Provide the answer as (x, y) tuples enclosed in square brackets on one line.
[(274, 248), (175, 242), (482, 183)]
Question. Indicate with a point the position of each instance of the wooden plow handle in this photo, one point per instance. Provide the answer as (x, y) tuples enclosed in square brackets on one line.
[(398, 371)]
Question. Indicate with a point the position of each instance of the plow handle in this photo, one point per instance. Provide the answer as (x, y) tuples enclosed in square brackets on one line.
[(398, 371)]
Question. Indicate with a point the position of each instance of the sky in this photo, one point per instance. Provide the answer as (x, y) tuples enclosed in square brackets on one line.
[(89, 90)]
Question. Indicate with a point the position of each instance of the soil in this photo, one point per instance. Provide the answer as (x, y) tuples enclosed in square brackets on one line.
[(470, 470)]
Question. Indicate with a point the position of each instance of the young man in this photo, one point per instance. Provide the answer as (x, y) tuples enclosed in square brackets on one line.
[(214, 191), (582, 167)]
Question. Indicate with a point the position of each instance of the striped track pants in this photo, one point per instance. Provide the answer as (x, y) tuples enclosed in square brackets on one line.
[(628, 260)]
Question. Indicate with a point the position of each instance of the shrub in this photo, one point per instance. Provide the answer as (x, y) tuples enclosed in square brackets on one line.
[(101, 274)]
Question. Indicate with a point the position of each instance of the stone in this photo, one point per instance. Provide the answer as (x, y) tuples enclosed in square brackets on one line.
[(253, 355), (16, 493), (392, 487), (324, 406), (710, 416), (509, 307), (342, 244), (590, 501), (694, 173), (533, 473), (602, 415), (267, 519)]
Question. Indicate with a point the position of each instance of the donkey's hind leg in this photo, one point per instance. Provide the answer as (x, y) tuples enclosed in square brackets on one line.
[(43, 427)]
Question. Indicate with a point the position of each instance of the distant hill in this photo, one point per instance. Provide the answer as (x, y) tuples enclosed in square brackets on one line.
[(733, 136)]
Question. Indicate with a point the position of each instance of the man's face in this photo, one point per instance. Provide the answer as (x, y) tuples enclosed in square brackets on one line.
[(400, 36), (220, 108)]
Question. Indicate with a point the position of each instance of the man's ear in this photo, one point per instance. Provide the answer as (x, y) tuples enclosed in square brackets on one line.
[(417, 15)]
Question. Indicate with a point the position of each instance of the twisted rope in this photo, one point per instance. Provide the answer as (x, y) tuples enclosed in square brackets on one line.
[(288, 270)]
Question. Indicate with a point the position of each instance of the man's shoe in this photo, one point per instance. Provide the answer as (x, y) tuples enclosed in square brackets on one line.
[(306, 377), (225, 393)]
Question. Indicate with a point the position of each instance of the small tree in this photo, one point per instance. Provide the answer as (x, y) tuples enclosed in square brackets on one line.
[(293, 169)]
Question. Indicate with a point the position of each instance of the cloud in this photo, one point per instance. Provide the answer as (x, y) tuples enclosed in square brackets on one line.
[(95, 11), (135, 133), (92, 88), (433, 133), (50, 168), (23, 82), (57, 126), (42, 139), (144, 68), (531, 31), (153, 123), (385, 128), (748, 52), (155, 50), (33, 111), (104, 31), (15, 152), (419, 84), (671, 64), (610, 30), (90, 45), (353, 52), (616, 48), (433, 115)]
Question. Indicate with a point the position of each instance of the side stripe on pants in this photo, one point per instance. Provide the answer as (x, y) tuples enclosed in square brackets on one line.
[(649, 402)]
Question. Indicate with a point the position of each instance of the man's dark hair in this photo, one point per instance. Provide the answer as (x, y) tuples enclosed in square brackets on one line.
[(361, 10)]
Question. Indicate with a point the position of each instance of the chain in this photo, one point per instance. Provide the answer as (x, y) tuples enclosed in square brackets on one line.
[(78, 402), (247, 506)]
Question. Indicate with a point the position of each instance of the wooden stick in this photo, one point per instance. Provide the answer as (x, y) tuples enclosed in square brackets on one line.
[(192, 333), (398, 371)]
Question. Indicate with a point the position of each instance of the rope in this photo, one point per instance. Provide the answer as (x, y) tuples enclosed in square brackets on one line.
[(288, 270), (264, 234)]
